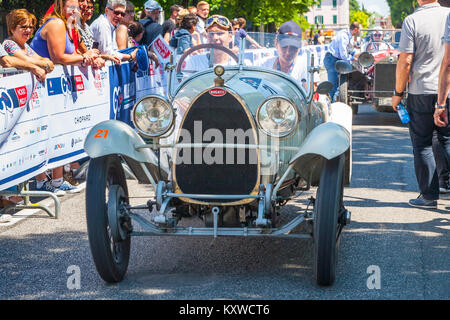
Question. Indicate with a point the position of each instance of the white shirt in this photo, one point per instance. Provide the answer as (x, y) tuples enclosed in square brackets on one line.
[(299, 71), (201, 62), (2, 51), (200, 28), (105, 34)]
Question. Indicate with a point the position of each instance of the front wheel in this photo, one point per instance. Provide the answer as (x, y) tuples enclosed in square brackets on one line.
[(343, 89), (110, 253), (327, 208)]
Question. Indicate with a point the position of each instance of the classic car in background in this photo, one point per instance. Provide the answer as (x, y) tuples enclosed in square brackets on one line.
[(230, 145), (372, 77)]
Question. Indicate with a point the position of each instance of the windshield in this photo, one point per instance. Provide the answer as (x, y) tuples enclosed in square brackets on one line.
[(284, 53)]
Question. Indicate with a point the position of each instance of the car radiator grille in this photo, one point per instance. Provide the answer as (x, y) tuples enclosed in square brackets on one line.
[(232, 171), (384, 79)]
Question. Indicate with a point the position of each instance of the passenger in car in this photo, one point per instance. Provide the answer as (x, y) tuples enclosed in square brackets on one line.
[(288, 44)]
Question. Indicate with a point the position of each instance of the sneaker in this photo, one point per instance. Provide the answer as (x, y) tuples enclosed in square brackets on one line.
[(47, 186), (66, 186), (421, 202), (5, 218), (444, 190)]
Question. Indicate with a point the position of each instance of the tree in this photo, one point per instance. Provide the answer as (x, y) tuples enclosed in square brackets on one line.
[(361, 17), (354, 6), (255, 12), (37, 7), (400, 9)]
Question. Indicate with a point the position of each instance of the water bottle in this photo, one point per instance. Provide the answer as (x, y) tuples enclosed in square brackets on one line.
[(402, 113)]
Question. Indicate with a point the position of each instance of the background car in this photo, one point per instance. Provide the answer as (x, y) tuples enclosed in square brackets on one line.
[(372, 78)]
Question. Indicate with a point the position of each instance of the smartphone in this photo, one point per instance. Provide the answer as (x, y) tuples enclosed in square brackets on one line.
[(95, 45)]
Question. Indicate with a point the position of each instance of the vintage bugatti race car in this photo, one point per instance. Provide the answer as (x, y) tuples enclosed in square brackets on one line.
[(229, 144), (371, 79)]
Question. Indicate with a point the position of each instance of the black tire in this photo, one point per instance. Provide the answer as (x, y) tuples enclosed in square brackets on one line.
[(111, 258), (355, 108), (326, 211), (343, 88)]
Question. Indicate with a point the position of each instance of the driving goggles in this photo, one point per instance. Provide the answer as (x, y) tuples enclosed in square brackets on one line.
[(220, 20)]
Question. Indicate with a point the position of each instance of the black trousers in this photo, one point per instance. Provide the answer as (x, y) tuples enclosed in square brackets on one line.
[(442, 163), (421, 130)]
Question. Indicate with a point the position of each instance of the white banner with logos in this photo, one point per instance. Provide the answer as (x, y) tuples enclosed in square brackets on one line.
[(44, 125)]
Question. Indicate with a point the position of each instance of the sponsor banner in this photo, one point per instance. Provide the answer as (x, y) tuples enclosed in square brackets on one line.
[(44, 125), (123, 91), (162, 49)]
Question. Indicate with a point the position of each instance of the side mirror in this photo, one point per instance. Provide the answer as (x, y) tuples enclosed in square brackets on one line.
[(324, 87), (343, 67), (366, 60)]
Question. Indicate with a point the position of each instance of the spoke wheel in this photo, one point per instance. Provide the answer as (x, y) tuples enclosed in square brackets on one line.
[(111, 254), (327, 229)]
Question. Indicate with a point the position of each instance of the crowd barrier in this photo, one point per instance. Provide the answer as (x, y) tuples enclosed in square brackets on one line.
[(44, 125)]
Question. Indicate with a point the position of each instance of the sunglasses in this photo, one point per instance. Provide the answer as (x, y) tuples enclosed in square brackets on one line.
[(74, 8), (90, 8), (220, 20), (118, 13), (26, 27), (377, 34)]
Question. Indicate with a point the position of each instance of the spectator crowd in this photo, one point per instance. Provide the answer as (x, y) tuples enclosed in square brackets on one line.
[(66, 35)]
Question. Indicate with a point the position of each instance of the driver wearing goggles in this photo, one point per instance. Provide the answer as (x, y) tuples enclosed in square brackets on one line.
[(218, 30)]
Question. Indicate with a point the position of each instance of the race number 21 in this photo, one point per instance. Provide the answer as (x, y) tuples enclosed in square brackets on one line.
[(101, 134)]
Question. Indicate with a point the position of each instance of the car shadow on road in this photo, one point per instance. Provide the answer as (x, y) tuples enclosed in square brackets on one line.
[(37, 266)]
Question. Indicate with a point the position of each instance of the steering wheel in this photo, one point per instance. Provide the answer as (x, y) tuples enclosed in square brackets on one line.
[(205, 46), (371, 47)]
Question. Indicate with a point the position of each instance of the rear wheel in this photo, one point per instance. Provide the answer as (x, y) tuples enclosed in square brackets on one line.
[(343, 88), (327, 208), (355, 108), (110, 252)]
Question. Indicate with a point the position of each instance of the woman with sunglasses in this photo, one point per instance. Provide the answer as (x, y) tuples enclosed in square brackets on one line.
[(58, 37), (20, 24)]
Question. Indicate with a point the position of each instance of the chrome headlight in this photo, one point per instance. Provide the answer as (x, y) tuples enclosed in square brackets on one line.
[(153, 116), (277, 117)]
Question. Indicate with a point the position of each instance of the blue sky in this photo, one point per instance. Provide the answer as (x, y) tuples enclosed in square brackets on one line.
[(379, 6)]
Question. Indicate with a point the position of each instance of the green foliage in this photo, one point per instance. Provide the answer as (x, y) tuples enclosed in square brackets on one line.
[(361, 17), (354, 5), (37, 7), (257, 12), (400, 9)]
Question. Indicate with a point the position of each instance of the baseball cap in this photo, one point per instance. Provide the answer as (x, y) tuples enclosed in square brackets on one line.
[(151, 5), (290, 34)]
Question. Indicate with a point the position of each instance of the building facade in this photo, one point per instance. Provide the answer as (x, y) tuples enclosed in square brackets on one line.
[(331, 14)]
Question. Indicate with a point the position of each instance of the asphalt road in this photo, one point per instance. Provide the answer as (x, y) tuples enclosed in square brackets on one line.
[(389, 251)]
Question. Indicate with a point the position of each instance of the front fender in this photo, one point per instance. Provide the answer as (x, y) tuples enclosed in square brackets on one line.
[(116, 137), (326, 141)]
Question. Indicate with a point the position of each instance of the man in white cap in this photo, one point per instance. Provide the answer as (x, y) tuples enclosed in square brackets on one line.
[(152, 27)]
